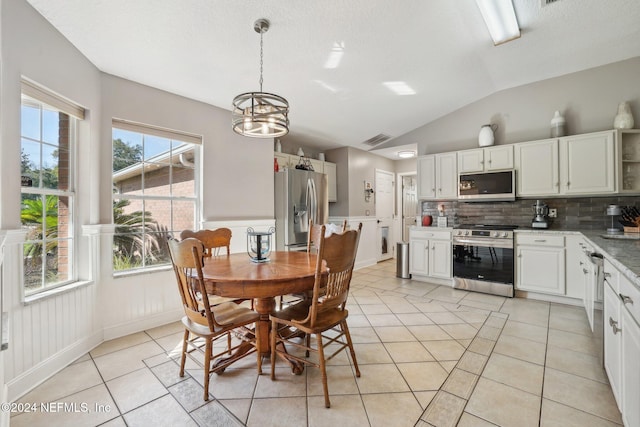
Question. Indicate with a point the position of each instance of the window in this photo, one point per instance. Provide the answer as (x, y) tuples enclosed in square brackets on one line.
[(154, 192), (48, 134)]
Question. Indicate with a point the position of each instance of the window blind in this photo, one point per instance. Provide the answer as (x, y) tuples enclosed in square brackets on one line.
[(52, 99), (156, 131)]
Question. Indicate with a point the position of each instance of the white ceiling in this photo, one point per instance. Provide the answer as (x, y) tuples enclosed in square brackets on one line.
[(207, 50)]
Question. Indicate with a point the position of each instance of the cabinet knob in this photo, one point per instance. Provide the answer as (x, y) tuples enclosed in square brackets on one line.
[(626, 299), (607, 275), (614, 326), (584, 270), (440, 190), (557, 184), (568, 183)]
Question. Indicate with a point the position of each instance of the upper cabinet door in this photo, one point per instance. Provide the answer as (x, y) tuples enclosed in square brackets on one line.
[(470, 161), (426, 177), (446, 176), (330, 170), (498, 157), (536, 165), (587, 163)]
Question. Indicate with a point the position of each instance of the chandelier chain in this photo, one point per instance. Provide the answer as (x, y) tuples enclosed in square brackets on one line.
[(261, 61)]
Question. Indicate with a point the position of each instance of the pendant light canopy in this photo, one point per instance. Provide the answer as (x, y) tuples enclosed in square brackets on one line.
[(260, 114)]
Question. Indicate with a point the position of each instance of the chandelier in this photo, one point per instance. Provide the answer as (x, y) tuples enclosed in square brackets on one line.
[(260, 114)]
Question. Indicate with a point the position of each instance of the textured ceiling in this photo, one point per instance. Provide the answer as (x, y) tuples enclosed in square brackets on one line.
[(207, 50)]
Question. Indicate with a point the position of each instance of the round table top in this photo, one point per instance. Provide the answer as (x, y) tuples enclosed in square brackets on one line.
[(236, 276)]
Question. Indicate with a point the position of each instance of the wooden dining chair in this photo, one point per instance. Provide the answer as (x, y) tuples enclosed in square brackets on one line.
[(325, 315), (313, 235), (203, 322), (214, 240)]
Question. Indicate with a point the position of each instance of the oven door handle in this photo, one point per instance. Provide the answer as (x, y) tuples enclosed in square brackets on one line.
[(505, 244)]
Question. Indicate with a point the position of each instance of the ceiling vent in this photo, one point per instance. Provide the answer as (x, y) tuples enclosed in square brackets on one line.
[(377, 140), (544, 3)]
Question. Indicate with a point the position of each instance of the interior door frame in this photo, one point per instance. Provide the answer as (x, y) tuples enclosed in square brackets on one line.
[(390, 222), (400, 205)]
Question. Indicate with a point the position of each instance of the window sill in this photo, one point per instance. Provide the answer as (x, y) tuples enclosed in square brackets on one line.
[(148, 270), (31, 299)]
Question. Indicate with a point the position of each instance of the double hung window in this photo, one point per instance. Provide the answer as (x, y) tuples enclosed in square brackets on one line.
[(48, 146), (154, 192)]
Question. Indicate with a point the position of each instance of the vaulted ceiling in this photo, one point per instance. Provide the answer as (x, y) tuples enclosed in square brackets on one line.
[(207, 50)]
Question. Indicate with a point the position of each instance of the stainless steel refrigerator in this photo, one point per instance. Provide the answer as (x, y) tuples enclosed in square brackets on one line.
[(300, 195)]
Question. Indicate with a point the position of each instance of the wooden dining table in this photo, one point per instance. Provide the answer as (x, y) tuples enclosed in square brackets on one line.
[(237, 276)]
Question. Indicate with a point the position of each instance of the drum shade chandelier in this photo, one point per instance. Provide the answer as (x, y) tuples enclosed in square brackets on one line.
[(260, 114)]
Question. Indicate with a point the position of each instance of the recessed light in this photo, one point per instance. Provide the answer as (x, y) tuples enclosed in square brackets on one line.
[(400, 88), (335, 56), (406, 154)]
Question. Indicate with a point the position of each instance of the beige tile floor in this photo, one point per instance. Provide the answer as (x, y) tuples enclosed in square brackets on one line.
[(429, 356)]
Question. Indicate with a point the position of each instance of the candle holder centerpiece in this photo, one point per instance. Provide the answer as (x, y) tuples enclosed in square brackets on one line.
[(259, 244)]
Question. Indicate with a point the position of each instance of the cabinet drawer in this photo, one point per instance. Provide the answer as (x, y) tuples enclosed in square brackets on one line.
[(630, 297), (539, 240), (611, 276), (424, 234)]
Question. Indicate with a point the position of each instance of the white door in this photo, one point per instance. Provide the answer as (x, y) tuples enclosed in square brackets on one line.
[(409, 204), (384, 213)]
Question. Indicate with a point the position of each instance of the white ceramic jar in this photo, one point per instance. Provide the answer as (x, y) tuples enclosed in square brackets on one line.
[(624, 119), (486, 137)]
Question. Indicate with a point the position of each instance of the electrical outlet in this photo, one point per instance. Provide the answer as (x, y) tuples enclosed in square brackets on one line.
[(553, 213)]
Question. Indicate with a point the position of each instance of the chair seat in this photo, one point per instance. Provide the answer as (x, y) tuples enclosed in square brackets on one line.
[(293, 314), (228, 315)]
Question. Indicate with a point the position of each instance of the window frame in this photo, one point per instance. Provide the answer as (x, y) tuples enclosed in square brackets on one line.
[(42, 99), (193, 143)]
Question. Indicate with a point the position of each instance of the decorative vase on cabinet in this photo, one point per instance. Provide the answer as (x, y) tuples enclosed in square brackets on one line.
[(624, 119), (486, 137)]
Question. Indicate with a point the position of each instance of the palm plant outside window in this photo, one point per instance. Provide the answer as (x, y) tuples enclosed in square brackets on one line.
[(154, 194)]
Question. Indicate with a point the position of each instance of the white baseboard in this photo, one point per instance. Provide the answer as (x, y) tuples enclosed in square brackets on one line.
[(35, 376), (560, 299), (142, 324), (434, 280)]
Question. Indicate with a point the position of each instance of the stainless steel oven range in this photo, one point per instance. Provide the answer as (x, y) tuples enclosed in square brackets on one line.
[(483, 259)]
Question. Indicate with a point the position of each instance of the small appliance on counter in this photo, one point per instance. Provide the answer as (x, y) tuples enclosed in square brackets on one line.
[(541, 211), (614, 213)]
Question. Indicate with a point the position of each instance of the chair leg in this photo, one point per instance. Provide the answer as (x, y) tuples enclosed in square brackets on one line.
[(323, 370), (183, 358), (307, 339), (229, 342), (207, 367), (259, 355), (274, 331), (347, 335)]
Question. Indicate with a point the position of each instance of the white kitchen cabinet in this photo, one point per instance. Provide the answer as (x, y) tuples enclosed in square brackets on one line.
[(437, 177), (630, 373), (628, 141), (612, 341), (587, 164), (574, 256), (622, 342), (540, 263), (291, 160), (330, 170), (494, 158), (537, 168), (470, 161), (430, 253), (284, 160)]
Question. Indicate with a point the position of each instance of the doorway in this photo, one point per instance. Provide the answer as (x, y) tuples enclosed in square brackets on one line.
[(384, 213), (409, 197)]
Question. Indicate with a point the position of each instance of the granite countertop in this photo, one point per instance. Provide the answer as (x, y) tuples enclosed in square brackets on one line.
[(623, 253)]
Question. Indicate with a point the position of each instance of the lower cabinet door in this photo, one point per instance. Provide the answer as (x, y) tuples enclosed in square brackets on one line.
[(612, 341), (419, 257), (540, 269), (440, 259), (630, 370)]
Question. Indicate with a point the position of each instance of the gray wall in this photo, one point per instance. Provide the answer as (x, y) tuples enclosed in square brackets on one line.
[(588, 100), (237, 178)]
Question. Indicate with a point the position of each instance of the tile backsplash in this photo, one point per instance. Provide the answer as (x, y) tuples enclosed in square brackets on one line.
[(585, 213)]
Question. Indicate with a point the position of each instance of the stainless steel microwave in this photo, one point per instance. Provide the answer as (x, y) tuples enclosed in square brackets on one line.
[(487, 186)]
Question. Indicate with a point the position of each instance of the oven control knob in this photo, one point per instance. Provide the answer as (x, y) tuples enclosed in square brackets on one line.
[(466, 233), (505, 234), (494, 234)]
